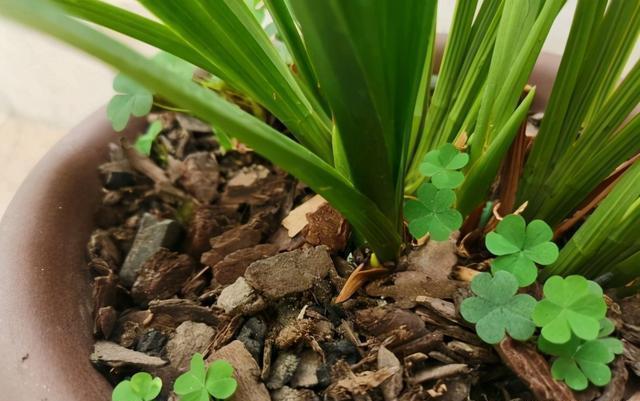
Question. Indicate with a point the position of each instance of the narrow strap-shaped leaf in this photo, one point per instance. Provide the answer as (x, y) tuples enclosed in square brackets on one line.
[(227, 33), (452, 60), (369, 61), (136, 26), (508, 76), (600, 148), (281, 14), (291, 156), (610, 234), (552, 138), (479, 177)]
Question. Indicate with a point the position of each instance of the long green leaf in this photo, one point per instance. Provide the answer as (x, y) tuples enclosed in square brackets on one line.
[(283, 18), (553, 138), (291, 156), (480, 176), (227, 33), (135, 26), (609, 236), (369, 61)]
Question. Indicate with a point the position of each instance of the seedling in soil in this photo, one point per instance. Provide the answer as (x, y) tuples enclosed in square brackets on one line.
[(519, 247), (141, 387), (144, 142), (202, 382), (496, 309), (579, 362), (442, 166), (572, 305)]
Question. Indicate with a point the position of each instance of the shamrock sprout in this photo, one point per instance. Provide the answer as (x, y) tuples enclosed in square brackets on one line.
[(442, 165), (141, 387), (519, 247), (200, 382), (571, 305), (497, 308), (432, 212), (131, 99), (144, 142), (579, 362)]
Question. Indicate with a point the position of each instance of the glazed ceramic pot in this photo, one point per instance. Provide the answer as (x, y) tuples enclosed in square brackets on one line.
[(45, 303)]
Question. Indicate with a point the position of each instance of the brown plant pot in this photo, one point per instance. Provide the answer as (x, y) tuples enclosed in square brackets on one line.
[(45, 304)]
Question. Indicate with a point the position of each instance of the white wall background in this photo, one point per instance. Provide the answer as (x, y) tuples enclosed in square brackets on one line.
[(47, 87)]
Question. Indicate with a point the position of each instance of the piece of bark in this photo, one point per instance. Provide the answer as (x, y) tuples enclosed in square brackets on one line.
[(116, 356), (189, 338), (246, 372), (297, 220), (102, 246), (240, 237), (108, 292), (405, 286), (439, 372), (152, 235), (173, 312), (422, 344), (472, 353), (207, 222), (631, 355), (392, 388), (327, 227), (162, 276), (386, 321), (297, 271), (531, 367), (306, 375), (105, 321), (201, 176), (614, 391), (234, 265), (435, 258), (440, 307)]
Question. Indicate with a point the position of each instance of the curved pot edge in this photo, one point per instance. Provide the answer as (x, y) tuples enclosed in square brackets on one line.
[(45, 310)]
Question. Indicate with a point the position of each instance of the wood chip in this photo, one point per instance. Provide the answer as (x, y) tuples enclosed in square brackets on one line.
[(296, 221), (115, 356), (533, 370)]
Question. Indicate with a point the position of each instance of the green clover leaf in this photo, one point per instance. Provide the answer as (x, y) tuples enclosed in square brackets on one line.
[(579, 362), (131, 99), (442, 165), (190, 386), (497, 308), (141, 387), (432, 213), (519, 247), (144, 142), (571, 305), (220, 382), (200, 382)]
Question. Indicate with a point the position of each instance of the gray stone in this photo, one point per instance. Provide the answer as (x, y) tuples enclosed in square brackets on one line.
[(188, 339), (252, 335), (240, 298), (290, 394), (152, 235), (289, 272), (282, 370), (307, 373)]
